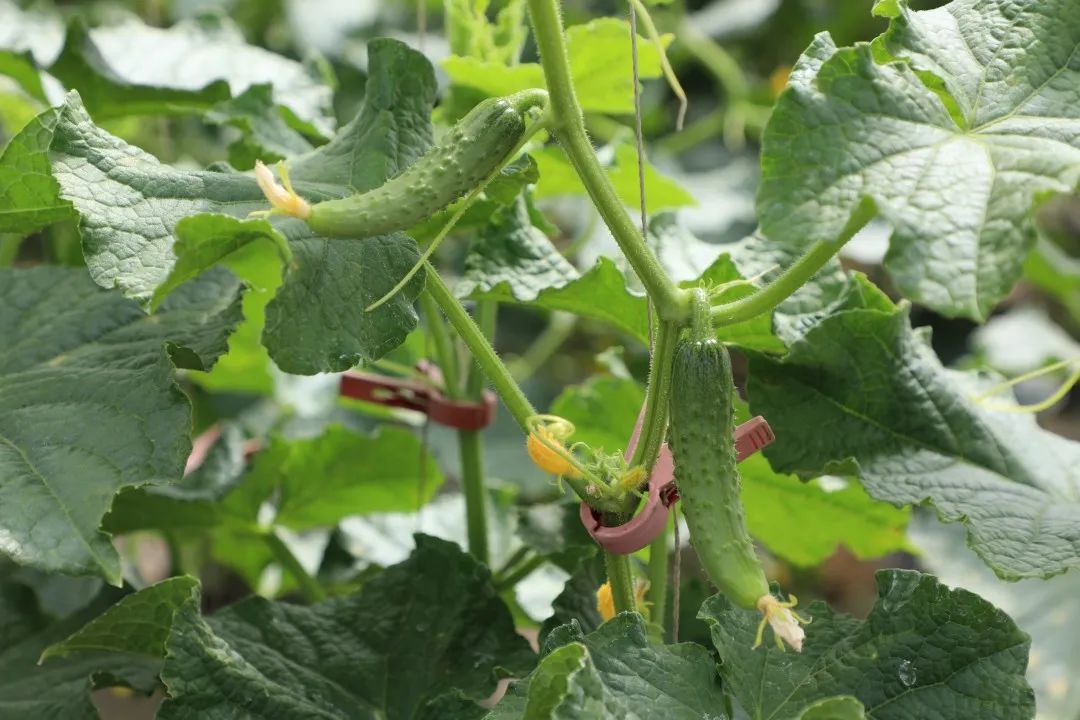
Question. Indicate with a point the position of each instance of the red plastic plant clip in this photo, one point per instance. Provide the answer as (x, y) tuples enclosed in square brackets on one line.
[(751, 436), (421, 397)]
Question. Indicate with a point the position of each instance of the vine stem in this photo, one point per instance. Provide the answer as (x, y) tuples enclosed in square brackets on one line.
[(794, 277), (471, 446), (656, 597), (309, 586), (484, 355), (568, 124), (654, 424), (621, 581)]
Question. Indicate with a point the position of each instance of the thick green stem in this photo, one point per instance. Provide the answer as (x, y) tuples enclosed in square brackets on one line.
[(780, 289), (654, 424), (621, 580), (569, 127), (481, 350), (309, 586), (656, 597), (800, 272), (471, 445)]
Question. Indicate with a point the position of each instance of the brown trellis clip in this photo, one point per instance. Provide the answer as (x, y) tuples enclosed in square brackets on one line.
[(751, 436), (421, 397)]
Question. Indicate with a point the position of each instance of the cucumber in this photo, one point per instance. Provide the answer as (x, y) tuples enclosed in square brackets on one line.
[(701, 437), (472, 150)]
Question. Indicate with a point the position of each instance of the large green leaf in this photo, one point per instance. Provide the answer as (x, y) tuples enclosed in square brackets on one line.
[(600, 293), (511, 258), (317, 321), (953, 143), (616, 672), (58, 688), (862, 393), (427, 627), (925, 651), (1049, 610), (137, 626), (316, 482), (88, 405), (192, 503)]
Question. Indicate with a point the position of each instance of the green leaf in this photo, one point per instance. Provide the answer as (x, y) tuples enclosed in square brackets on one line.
[(862, 393), (266, 132), (924, 651), (557, 177), (953, 144), (316, 482), (88, 405), (805, 522), (613, 673), (203, 241), (61, 687), (600, 293), (510, 257), (603, 409), (137, 626), (413, 633), (132, 68), (599, 65), (29, 196), (472, 35), (192, 503), (1048, 610)]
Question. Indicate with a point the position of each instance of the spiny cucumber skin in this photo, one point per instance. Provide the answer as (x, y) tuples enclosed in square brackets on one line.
[(701, 437), (469, 153)]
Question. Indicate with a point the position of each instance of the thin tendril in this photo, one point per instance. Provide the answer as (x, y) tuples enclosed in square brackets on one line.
[(1048, 369), (1038, 407), (665, 64)]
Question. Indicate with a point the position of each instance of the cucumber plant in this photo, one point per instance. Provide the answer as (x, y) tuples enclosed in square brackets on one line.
[(198, 507)]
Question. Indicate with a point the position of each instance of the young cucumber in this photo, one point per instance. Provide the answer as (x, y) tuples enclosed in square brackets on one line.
[(471, 151), (701, 437)]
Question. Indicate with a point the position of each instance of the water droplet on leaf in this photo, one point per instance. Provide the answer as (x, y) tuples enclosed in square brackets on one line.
[(907, 673)]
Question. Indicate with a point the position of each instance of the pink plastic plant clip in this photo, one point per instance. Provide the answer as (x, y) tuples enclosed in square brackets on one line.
[(751, 436)]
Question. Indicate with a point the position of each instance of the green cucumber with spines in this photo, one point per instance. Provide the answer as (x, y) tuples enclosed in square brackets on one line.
[(471, 151), (701, 437)]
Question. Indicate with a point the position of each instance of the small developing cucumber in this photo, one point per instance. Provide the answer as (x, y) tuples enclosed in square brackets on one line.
[(470, 152), (701, 436)]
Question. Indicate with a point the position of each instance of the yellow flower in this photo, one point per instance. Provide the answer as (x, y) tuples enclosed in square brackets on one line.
[(284, 199), (786, 623), (605, 603)]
